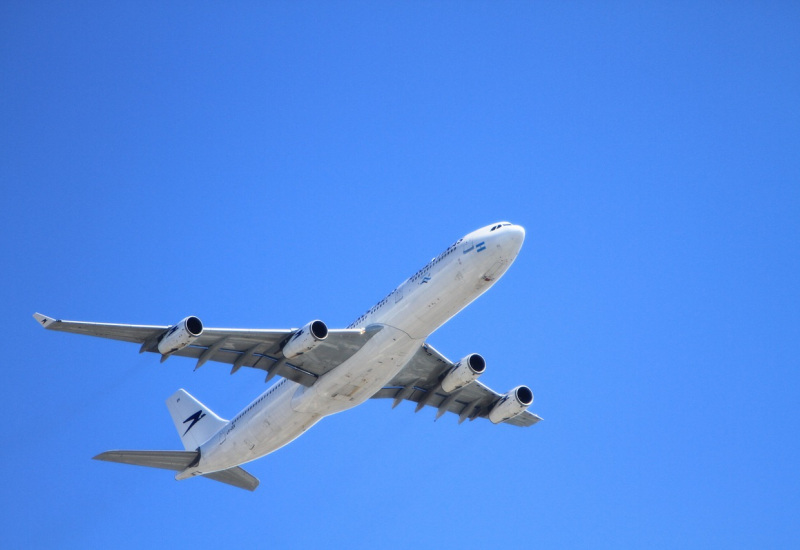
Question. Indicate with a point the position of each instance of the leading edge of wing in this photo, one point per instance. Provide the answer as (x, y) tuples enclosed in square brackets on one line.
[(126, 333), (140, 333)]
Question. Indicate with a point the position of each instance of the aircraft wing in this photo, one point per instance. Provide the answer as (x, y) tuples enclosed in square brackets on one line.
[(254, 348), (420, 382)]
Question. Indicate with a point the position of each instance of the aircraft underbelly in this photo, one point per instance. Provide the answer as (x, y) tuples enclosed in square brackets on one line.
[(297, 408), (265, 432), (360, 377)]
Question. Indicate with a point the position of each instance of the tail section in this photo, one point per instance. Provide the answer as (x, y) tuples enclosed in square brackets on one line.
[(178, 461), (235, 476), (195, 422)]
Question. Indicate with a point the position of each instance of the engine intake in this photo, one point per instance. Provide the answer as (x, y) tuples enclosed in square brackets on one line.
[(465, 371), (511, 404), (180, 335), (305, 339)]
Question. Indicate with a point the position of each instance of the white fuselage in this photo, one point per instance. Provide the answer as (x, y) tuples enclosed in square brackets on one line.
[(408, 315)]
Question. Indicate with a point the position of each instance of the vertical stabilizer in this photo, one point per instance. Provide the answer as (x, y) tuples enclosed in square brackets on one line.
[(195, 422)]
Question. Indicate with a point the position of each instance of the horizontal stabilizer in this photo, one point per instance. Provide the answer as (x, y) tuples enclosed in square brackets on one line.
[(178, 461), (236, 477), (166, 460)]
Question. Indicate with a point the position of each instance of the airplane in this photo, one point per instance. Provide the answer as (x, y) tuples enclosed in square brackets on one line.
[(382, 354)]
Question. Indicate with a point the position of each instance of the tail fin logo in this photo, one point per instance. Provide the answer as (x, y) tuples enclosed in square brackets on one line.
[(195, 418)]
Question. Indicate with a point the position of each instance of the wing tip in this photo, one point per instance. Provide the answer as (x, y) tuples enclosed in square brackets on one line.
[(44, 320)]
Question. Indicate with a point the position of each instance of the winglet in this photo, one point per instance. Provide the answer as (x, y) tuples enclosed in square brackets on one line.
[(44, 320)]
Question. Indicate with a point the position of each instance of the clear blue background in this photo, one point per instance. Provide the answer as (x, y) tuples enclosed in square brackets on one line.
[(265, 164)]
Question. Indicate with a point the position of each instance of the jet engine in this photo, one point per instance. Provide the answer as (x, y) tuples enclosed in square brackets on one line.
[(305, 339), (511, 404), (180, 335), (465, 371)]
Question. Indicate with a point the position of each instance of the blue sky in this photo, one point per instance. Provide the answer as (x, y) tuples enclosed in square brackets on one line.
[(262, 165)]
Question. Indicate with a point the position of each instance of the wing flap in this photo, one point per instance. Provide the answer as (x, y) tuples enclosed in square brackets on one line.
[(525, 419), (264, 353), (472, 401)]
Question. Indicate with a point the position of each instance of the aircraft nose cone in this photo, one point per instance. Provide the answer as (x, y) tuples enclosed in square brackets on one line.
[(516, 235)]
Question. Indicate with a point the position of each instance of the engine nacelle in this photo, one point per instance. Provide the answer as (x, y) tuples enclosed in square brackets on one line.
[(305, 339), (180, 335), (511, 404), (465, 371)]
